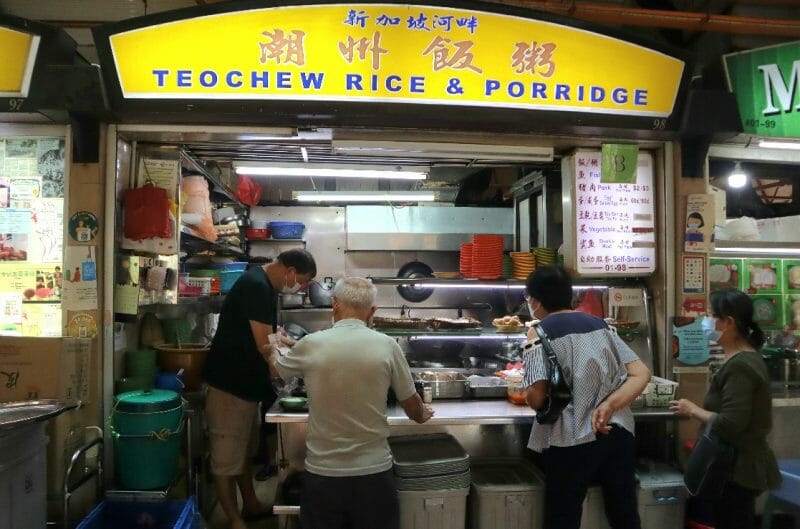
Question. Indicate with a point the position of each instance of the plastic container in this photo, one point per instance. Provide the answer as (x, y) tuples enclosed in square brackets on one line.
[(506, 494), (257, 234), (433, 509), (286, 230), (516, 390), (594, 511), (146, 427), (23, 477), (659, 392), (177, 330), (661, 497), (191, 357), (227, 278), (169, 514)]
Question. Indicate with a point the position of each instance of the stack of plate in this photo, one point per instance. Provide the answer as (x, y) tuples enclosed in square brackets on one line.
[(487, 256), (508, 267), (465, 262), (429, 462), (545, 256), (523, 264)]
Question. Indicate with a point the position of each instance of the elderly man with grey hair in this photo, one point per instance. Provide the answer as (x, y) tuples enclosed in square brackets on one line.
[(348, 370)]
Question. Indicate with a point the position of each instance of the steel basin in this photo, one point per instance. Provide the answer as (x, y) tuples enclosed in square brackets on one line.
[(16, 414)]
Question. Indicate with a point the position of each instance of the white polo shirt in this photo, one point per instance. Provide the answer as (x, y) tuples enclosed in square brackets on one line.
[(348, 370)]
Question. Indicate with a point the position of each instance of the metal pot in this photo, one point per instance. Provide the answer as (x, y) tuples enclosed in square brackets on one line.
[(293, 300), (240, 219), (321, 294)]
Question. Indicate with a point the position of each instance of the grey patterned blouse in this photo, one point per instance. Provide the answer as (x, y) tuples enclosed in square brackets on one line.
[(593, 359)]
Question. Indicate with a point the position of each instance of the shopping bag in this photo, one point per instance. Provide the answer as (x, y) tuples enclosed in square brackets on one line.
[(146, 213), (248, 191), (710, 465)]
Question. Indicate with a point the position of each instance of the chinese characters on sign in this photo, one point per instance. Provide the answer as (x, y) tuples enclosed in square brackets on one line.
[(614, 223), (395, 53)]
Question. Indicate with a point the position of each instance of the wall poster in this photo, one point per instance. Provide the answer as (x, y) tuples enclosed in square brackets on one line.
[(79, 291)]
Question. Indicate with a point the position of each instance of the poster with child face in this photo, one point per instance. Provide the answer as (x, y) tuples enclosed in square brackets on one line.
[(699, 233)]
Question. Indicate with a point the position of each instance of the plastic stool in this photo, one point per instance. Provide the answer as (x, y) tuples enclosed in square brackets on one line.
[(786, 496)]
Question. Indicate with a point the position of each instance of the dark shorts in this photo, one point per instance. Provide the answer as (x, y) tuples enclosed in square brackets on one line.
[(357, 502)]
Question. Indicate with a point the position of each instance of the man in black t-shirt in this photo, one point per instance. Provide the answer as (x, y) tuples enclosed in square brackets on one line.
[(237, 375)]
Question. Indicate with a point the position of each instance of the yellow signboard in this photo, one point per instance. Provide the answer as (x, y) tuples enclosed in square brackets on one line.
[(19, 56), (398, 54)]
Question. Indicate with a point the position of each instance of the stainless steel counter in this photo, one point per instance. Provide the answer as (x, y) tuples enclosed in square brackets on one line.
[(463, 412)]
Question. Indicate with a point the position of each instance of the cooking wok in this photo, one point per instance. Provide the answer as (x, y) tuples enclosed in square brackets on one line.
[(414, 270)]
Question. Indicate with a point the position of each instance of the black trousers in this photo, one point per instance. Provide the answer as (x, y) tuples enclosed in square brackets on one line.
[(735, 508), (358, 502), (569, 471)]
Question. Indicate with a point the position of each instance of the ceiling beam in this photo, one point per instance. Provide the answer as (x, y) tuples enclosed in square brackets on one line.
[(657, 18)]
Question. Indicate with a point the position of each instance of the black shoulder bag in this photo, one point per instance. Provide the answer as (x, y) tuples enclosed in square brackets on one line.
[(558, 392), (710, 464)]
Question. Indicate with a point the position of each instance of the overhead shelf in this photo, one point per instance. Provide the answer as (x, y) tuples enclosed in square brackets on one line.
[(451, 283), (192, 240), (218, 186)]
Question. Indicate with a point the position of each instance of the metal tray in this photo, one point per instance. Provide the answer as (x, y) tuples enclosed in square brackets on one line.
[(443, 384), (489, 392)]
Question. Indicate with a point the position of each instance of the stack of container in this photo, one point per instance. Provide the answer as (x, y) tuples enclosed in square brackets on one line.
[(507, 493), (433, 479)]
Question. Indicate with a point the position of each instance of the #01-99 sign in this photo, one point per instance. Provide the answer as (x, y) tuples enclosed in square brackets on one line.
[(614, 223)]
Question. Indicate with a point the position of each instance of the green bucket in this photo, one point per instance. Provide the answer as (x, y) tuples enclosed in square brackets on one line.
[(146, 426)]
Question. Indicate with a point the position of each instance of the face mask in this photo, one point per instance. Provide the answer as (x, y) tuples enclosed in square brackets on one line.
[(709, 326), (290, 290), (533, 311)]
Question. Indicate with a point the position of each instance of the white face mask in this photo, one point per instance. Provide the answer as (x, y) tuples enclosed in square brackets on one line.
[(290, 289), (533, 311), (709, 326)]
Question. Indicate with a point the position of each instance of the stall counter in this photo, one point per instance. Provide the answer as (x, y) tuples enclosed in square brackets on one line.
[(461, 412)]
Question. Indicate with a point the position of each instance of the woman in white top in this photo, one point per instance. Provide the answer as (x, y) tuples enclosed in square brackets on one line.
[(592, 441)]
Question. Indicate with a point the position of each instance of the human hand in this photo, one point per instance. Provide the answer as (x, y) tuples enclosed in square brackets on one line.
[(683, 407), (427, 413), (601, 417), (281, 338)]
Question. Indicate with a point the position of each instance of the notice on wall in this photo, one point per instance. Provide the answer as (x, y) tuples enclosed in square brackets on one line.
[(126, 287), (48, 229), (699, 234), (79, 291), (614, 223), (689, 344), (163, 174), (50, 166)]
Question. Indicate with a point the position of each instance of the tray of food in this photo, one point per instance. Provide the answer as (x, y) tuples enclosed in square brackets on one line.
[(625, 325), (381, 322), (446, 324), (508, 324), (443, 384)]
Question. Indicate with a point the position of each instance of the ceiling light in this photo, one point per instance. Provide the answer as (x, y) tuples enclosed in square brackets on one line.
[(738, 178), (472, 151), (338, 171), (771, 144), (364, 196)]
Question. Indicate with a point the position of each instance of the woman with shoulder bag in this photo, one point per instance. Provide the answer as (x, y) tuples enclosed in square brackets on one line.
[(739, 405), (591, 439)]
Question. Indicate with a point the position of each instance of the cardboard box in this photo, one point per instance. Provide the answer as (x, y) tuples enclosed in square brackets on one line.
[(791, 276), (768, 310), (725, 273), (763, 276), (44, 368)]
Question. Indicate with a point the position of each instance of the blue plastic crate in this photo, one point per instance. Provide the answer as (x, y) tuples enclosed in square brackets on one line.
[(168, 514), (286, 230)]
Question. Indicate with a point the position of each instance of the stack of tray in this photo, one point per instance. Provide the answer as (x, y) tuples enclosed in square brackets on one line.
[(429, 462)]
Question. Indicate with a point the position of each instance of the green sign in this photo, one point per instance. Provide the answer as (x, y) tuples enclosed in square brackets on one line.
[(766, 82), (618, 165)]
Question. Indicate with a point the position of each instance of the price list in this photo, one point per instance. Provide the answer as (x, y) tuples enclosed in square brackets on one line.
[(614, 223)]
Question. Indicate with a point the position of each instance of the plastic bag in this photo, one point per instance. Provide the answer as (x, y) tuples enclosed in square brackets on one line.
[(146, 213), (248, 191)]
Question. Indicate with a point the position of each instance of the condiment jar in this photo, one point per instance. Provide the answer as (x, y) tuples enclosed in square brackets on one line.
[(516, 390)]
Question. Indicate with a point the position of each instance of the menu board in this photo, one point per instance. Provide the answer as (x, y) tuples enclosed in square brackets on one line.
[(614, 223)]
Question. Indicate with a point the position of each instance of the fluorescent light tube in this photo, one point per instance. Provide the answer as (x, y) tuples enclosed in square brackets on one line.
[(364, 196), (770, 144), (330, 172), (405, 149)]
